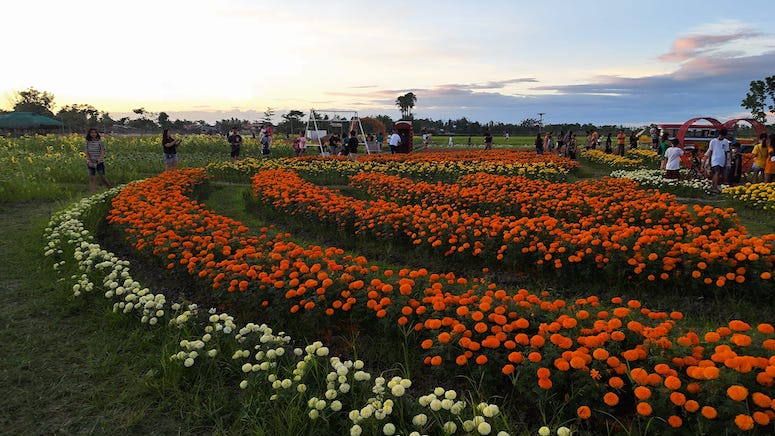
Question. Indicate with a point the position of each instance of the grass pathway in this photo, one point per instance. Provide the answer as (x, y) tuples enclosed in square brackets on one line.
[(69, 366)]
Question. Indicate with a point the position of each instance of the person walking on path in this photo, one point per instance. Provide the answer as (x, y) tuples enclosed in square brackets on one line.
[(95, 159), (235, 141), (170, 147)]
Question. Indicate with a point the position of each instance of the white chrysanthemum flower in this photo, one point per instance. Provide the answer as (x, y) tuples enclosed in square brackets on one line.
[(563, 431), (420, 420), (389, 429), (484, 428)]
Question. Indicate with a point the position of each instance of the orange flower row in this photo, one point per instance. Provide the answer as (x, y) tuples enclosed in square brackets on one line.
[(618, 349), (655, 237)]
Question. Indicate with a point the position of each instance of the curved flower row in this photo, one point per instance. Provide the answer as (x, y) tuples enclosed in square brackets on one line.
[(754, 195), (706, 251), (351, 398), (587, 203), (615, 358), (426, 165)]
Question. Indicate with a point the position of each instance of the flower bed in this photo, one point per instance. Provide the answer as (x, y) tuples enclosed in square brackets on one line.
[(586, 360), (753, 195), (428, 166), (656, 179), (669, 246)]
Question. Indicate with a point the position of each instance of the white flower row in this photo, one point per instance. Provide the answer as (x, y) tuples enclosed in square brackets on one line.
[(656, 179), (257, 345)]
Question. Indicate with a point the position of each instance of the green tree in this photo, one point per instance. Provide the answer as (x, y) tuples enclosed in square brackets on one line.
[(386, 120), (32, 100), (405, 103), (756, 100), (292, 117), (145, 122), (268, 114), (78, 117)]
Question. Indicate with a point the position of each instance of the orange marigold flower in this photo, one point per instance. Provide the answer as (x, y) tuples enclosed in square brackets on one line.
[(761, 418), (644, 408), (672, 382), (611, 399), (744, 422), (737, 392), (761, 400), (616, 382), (692, 406), (709, 412), (675, 421), (642, 393), (584, 412)]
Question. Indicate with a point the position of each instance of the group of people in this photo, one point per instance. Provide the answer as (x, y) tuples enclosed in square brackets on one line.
[(723, 161), (565, 144)]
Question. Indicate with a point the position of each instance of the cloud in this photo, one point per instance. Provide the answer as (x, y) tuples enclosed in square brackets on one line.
[(691, 46), (498, 84)]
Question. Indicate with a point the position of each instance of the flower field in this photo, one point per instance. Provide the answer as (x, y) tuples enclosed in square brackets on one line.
[(456, 352)]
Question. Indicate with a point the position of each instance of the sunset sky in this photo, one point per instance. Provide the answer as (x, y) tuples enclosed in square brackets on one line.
[(604, 62)]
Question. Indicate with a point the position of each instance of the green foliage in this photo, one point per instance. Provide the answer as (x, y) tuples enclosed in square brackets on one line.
[(32, 100), (406, 102), (760, 99)]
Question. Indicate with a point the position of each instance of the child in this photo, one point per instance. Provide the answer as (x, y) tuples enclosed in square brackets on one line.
[(736, 165)]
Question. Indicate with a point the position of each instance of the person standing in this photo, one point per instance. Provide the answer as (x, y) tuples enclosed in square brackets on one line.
[(662, 149), (735, 172), (560, 142), (380, 141), (451, 143), (608, 144), (95, 159), (487, 140), (352, 146), (595, 139), (718, 150), (235, 141), (571, 147), (769, 167), (633, 141), (654, 133), (548, 143), (170, 148), (393, 142), (759, 159), (333, 144), (620, 138), (539, 144), (673, 161)]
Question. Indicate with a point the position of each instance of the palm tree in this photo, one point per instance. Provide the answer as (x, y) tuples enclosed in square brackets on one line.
[(406, 103)]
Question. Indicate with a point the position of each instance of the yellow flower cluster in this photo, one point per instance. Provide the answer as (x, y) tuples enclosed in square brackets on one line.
[(754, 195)]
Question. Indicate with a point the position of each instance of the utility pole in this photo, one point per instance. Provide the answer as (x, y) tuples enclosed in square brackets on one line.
[(540, 121)]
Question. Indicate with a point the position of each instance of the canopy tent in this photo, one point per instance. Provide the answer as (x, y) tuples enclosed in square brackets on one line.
[(27, 120)]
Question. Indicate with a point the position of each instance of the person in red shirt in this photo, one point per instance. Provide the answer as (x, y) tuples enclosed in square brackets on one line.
[(620, 138)]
